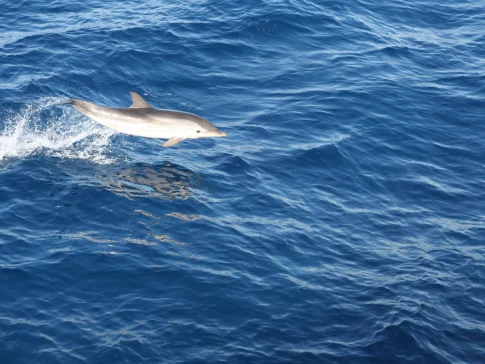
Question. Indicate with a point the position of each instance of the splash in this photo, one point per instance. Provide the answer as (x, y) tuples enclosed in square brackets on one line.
[(39, 128)]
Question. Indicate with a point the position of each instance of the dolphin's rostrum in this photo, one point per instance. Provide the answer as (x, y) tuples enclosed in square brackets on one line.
[(142, 120)]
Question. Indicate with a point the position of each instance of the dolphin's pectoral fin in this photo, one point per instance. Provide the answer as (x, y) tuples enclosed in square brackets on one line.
[(172, 141), (139, 102)]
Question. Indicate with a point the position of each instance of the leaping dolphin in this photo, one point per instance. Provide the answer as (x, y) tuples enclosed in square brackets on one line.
[(142, 120)]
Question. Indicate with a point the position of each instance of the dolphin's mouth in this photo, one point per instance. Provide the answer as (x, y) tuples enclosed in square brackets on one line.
[(214, 134)]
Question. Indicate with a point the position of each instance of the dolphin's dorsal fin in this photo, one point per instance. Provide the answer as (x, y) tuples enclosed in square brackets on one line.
[(139, 102)]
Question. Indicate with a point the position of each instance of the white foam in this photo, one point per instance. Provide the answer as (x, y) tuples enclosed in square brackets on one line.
[(41, 128)]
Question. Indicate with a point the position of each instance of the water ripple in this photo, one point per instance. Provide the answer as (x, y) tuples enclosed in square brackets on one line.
[(340, 221)]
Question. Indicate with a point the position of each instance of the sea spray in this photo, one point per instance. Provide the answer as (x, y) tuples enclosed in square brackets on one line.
[(39, 127)]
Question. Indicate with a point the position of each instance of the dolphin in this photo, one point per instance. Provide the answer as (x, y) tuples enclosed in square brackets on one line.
[(142, 120)]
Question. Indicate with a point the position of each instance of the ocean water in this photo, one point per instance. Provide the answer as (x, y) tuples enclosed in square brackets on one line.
[(341, 221)]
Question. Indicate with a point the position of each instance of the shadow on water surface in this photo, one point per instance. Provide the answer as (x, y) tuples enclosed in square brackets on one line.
[(165, 181)]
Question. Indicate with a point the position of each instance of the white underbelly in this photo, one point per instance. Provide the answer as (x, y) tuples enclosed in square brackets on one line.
[(147, 130)]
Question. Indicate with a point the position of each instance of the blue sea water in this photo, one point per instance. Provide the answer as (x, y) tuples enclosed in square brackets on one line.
[(341, 221)]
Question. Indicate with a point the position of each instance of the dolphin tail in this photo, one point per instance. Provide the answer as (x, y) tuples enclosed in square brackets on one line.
[(67, 102)]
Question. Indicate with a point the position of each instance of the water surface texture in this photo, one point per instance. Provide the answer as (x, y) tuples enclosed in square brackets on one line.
[(341, 220)]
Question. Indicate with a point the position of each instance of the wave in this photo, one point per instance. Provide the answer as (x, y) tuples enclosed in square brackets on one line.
[(40, 128)]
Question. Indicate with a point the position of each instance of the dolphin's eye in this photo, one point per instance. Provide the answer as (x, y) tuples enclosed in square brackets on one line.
[(198, 131)]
